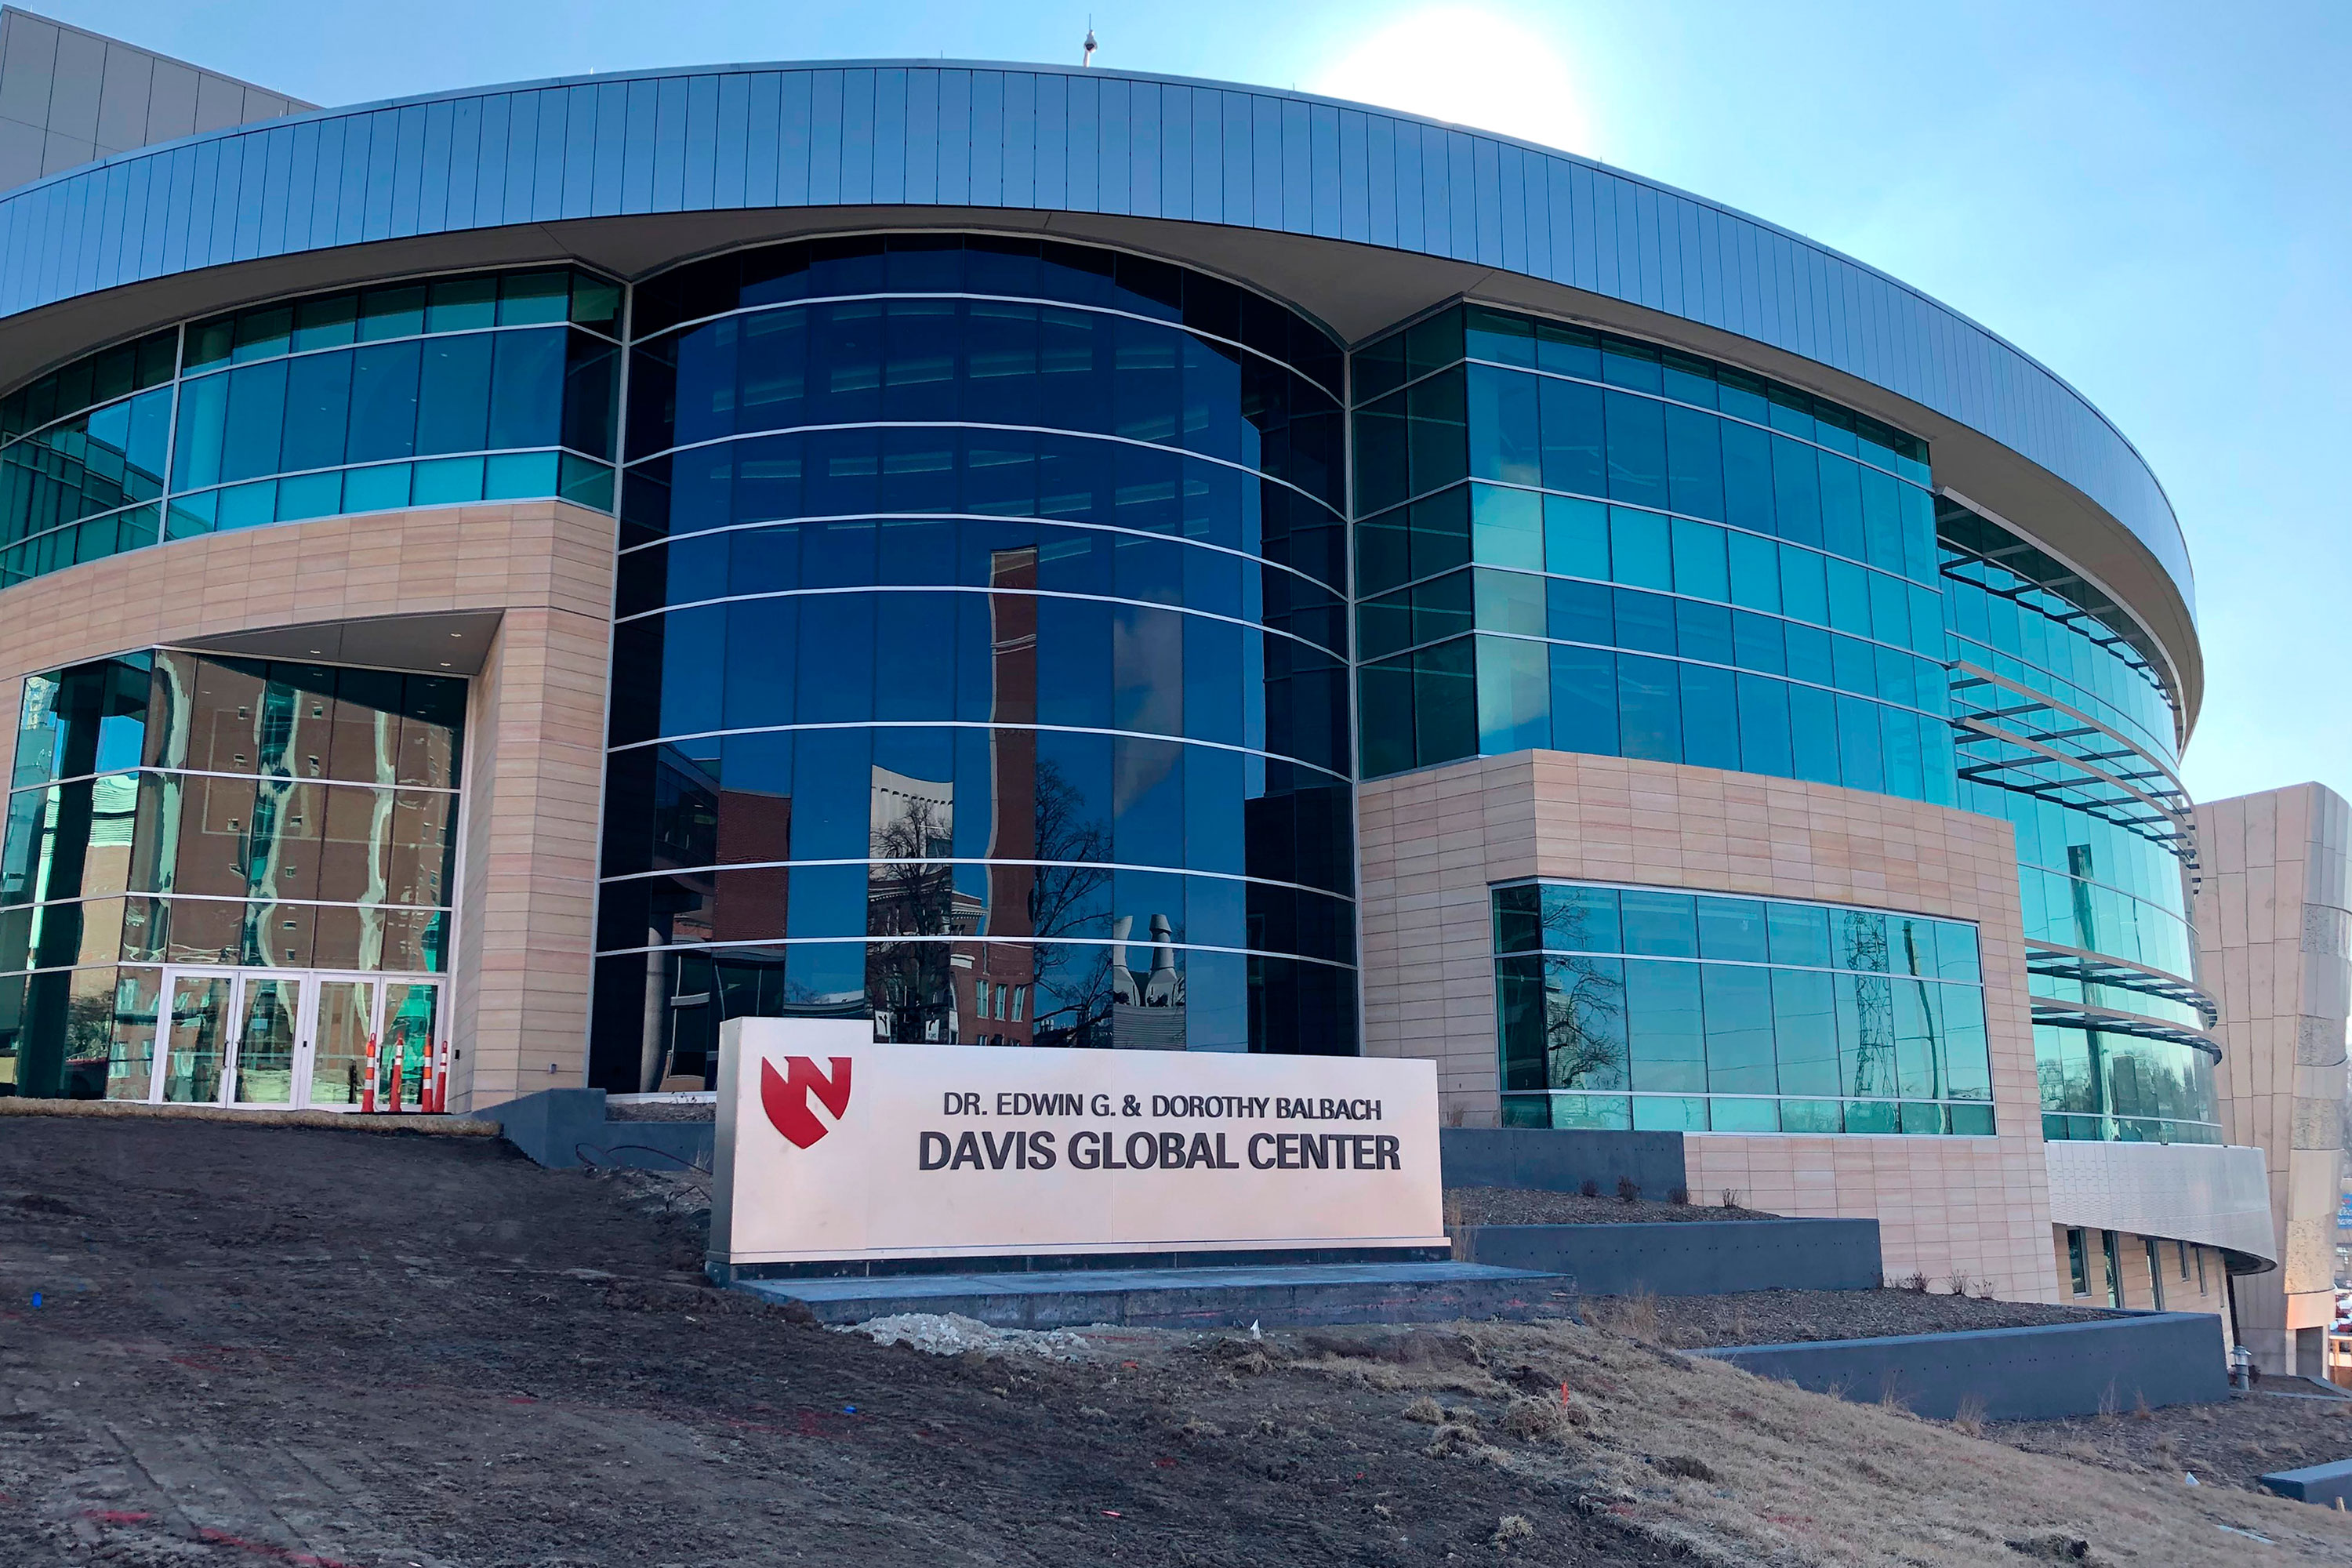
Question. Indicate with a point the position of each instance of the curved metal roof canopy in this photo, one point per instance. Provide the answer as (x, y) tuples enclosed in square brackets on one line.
[(638, 168)]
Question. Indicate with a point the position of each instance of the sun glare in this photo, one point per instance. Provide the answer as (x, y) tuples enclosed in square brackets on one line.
[(1471, 66)]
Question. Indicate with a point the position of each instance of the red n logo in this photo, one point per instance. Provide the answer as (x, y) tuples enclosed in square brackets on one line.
[(785, 1095)]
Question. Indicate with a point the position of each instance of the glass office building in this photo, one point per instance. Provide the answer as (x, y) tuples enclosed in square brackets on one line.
[(982, 646), (1574, 540), (1021, 556)]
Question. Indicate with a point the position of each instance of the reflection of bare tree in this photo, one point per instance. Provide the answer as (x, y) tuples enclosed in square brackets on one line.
[(2051, 1075), (909, 895), (1079, 978), (1064, 897), (89, 1026), (1584, 1031), (2140, 1083)]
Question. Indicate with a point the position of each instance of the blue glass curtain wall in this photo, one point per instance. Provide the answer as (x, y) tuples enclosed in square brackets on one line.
[(483, 388), (980, 665), (2017, 611), (1579, 542), (1661, 1009), (2101, 870)]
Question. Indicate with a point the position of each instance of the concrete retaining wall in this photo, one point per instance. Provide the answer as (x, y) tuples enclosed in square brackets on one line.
[(2019, 1374), (567, 1128), (2327, 1484), (1193, 1297), (1541, 1160), (1695, 1257)]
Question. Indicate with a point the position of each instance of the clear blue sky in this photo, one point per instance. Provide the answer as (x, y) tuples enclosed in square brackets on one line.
[(2154, 198)]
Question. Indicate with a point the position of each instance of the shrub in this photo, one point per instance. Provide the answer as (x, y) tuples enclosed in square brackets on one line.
[(1536, 1418), (1633, 1314), (1628, 1190)]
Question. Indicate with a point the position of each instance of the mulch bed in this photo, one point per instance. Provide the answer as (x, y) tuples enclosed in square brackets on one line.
[(1791, 1317), (661, 1110), (1515, 1205)]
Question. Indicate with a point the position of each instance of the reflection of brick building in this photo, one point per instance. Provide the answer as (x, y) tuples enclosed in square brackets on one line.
[(751, 902), (996, 982)]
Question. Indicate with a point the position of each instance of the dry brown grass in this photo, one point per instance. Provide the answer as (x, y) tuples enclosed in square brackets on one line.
[(1633, 1314), (1795, 1479), (1457, 1214)]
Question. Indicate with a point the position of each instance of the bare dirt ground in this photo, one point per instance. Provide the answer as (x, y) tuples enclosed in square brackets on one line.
[(313, 1347), (287, 1346)]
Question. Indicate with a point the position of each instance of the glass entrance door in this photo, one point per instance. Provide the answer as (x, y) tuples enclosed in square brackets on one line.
[(411, 1022), (402, 1013), (199, 1015), (344, 1018), (296, 1039), (268, 1049)]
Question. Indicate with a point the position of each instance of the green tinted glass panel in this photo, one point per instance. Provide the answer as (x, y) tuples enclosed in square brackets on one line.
[(1789, 1017)]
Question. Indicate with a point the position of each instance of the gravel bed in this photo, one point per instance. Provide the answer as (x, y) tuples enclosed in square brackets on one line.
[(1789, 1317), (1517, 1205)]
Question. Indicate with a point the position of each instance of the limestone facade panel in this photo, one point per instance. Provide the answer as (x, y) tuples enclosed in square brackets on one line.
[(1434, 842), (2275, 948)]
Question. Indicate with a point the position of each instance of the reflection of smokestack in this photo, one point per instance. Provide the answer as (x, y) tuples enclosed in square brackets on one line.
[(1160, 991), (1122, 978), (649, 1045)]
